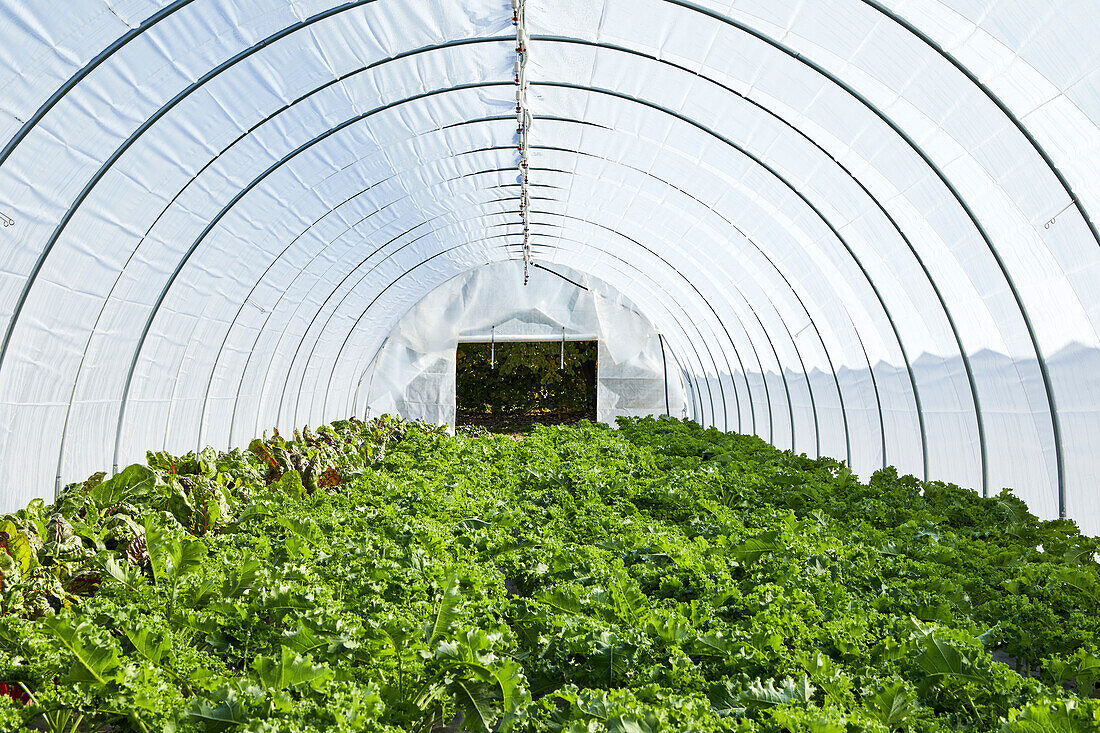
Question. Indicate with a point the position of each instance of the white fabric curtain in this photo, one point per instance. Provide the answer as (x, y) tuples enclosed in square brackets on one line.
[(413, 370)]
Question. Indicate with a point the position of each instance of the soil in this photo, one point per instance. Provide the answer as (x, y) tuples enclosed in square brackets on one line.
[(513, 423)]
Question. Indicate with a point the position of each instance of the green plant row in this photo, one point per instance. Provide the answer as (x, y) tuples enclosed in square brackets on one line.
[(384, 576)]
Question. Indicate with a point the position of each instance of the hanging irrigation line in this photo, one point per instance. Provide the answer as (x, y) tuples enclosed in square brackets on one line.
[(523, 129)]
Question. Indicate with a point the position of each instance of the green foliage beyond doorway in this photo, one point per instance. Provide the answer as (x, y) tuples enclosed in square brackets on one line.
[(527, 384)]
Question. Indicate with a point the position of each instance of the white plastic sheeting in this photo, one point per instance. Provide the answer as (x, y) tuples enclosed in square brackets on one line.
[(865, 228), (413, 373)]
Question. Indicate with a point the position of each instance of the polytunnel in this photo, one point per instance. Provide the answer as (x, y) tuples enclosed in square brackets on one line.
[(860, 228)]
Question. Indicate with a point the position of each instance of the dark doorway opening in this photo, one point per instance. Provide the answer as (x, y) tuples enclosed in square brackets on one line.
[(508, 387)]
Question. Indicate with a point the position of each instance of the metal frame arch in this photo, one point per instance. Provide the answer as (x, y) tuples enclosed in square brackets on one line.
[(225, 210), (327, 85), (472, 193), (767, 258), (321, 137), (184, 94), (585, 245), (674, 318), (351, 73), (996, 100), (748, 304), (217, 358), (1039, 355), (767, 337), (505, 246), (349, 274), (345, 76), (786, 183), (618, 163), (480, 40), (684, 375), (295, 358), (689, 385), (963, 354), (92, 332), (406, 272), (82, 73), (392, 58), (267, 379), (826, 350), (177, 5), (919, 150), (392, 104), (363, 277), (729, 337)]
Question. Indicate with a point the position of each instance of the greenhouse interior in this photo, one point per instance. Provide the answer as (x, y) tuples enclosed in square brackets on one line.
[(550, 365)]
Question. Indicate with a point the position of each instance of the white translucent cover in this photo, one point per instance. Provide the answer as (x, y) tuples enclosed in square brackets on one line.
[(863, 228)]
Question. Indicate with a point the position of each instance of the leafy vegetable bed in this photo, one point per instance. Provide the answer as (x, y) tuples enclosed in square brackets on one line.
[(385, 576)]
